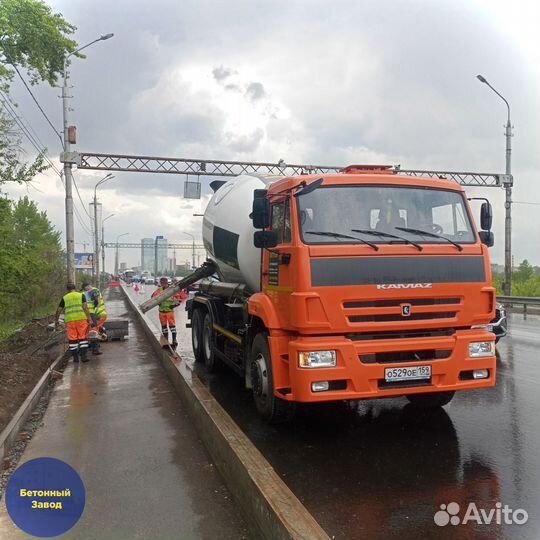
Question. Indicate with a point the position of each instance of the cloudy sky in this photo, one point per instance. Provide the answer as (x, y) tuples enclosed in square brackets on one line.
[(318, 81)]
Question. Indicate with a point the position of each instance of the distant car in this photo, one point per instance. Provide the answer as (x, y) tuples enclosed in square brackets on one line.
[(150, 280), (499, 324)]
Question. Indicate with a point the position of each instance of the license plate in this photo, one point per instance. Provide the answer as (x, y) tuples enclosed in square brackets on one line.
[(416, 373)]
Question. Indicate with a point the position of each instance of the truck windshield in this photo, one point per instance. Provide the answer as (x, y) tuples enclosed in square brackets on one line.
[(398, 211)]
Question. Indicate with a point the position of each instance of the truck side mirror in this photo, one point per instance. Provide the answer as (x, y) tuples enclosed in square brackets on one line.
[(265, 239), (486, 216), (261, 209), (487, 238)]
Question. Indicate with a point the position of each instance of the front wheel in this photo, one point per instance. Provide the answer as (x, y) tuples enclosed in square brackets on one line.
[(270, 407), (431, 400)]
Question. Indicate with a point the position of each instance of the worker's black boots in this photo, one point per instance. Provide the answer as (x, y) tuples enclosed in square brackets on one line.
[(84, 357), (75, 355)]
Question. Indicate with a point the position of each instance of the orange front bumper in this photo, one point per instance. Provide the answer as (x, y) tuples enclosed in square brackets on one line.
[(359, 380)]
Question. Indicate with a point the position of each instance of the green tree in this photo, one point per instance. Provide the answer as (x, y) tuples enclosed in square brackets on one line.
[(524, 272), (528, 287), (12, 168), (497, 281), (31, 260), (34, 38)]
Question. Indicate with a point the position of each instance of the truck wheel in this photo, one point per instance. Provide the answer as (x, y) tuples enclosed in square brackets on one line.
[(196, 334), (271, 408), (207, 344), (431, 400)]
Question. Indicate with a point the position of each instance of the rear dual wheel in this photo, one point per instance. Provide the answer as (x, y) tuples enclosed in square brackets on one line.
[(202, 339), (209, 357), (197, 319)]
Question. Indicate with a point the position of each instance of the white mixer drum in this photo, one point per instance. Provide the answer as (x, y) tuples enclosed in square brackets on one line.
[(228, 230)]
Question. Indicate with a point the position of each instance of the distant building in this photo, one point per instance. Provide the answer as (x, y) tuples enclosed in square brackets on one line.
[(147, 254), (123, 267), (162, 246)]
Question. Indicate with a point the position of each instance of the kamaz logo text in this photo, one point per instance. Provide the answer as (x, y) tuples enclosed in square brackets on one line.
[(405, 286)]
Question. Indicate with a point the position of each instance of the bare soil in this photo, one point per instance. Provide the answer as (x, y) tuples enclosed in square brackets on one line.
[(23, 361)]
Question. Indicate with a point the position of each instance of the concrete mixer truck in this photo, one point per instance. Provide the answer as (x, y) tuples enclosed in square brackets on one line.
[(353, 285)]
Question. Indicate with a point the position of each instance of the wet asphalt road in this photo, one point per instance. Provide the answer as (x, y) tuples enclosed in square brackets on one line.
[(378, 469), (119, 422)]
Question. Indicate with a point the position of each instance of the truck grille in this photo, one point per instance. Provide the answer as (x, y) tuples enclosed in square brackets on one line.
[(382, 384), (397, 303), (391, 310), (404, 356), (399, 317), (401, 334)]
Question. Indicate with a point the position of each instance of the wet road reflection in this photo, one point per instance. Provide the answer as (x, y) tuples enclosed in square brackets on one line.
[(380, 469)]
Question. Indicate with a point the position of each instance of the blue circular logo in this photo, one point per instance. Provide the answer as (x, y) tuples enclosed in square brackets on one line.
[(45, 497)]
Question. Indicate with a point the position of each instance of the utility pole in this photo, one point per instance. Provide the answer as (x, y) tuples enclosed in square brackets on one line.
[(96, 244), (68, 161), (192, 249), (96, 226), (507, 184), (102, 254), (103, 245), (116, 254), (70, 229)]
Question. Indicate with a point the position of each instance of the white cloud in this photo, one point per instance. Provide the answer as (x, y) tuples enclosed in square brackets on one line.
[(310, 82)]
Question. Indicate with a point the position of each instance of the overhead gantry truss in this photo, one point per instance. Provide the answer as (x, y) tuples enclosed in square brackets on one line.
[(212, 167)]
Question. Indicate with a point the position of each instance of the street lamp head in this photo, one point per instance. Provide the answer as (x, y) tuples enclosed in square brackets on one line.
[(106, 36), (482, 79)]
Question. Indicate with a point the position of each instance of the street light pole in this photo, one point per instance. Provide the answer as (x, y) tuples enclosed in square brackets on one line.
[(96, 227), (103, 244), (192, 249), (68, 164), (508, 202), (116, 254)]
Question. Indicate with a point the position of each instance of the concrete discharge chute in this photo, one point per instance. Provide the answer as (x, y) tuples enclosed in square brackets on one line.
[(206, 270)]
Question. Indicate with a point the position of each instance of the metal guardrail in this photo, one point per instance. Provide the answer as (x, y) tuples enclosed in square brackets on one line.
[(520, 301)]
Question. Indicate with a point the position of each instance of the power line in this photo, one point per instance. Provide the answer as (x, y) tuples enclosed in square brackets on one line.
[(36, 142), (79, 195), (9, 109), (33, 97)]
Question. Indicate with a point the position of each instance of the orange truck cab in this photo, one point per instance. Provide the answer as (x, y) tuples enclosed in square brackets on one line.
[(372, 285)]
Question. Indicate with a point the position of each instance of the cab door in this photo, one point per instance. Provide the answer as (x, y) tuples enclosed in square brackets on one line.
[(277, 279)]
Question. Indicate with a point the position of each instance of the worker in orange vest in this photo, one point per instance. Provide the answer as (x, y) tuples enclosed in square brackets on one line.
[(77, 319), (167, 318)]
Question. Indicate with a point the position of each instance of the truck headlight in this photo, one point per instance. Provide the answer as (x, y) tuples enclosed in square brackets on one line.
[(317, 359), (480, 349)]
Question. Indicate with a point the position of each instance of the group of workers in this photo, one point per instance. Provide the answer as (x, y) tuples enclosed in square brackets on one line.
[(85, 315)]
